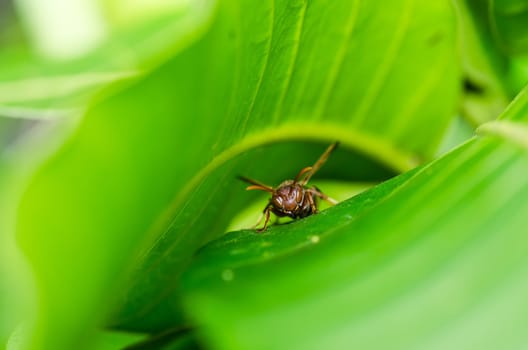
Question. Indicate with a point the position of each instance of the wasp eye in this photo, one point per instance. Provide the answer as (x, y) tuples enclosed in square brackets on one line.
[(278, 201)]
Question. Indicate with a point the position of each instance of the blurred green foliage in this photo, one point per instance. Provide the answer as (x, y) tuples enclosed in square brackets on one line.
[(119, 161)]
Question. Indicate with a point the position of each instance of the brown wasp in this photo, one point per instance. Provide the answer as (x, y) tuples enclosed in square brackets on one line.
[(293, 198)]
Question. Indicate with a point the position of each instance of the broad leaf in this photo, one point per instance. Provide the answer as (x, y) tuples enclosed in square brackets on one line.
[(485, 65), (151, 169), (286, 101), (428, 260), (492, 35), (509, 18), (33, 87)]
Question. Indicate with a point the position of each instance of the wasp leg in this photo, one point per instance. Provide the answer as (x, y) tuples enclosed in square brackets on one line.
[(254, 227), (311, 200), (266, 214), (317, 192), (259, 219)]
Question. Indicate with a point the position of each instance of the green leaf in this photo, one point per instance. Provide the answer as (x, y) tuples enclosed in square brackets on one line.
[(35, 93), (308, 68), (150, 171), (490, 31), (178, 339), (52, 97), (33, 87), (115, 340), (24, 148), (509, 18), (427, 260), (485, 65)]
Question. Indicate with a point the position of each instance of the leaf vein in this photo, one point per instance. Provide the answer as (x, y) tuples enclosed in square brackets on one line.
[(263, 70), (391, 54), (338, 66), (298, 34)]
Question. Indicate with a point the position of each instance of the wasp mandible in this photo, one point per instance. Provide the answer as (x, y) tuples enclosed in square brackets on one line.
[(293, 198)]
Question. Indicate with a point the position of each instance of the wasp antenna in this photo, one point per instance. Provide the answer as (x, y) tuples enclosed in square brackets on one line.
[(301, 173), (256, 183), (260, 188), (319, 163)]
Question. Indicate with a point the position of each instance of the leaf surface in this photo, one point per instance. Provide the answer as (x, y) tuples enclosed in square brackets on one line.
[(150, 171), (439, 256)]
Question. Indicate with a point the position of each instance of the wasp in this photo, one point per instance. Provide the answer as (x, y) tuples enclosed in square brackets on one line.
[(293, 198)]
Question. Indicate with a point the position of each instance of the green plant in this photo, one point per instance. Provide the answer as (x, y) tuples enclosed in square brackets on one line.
[(121, 209)]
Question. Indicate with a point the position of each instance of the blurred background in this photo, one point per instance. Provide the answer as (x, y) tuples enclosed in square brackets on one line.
[(54, 56), (59, 57)]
